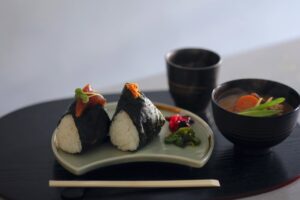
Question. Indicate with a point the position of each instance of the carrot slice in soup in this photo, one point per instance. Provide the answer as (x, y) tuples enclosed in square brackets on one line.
[(245, 102)]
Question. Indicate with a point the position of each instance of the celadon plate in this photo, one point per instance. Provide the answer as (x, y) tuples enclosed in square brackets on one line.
[(156, 151)]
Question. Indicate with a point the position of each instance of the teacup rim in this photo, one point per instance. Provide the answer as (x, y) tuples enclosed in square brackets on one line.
[(171, 52)]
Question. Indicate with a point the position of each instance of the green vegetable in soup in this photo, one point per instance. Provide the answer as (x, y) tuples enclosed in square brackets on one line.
[(269, 104), (266, 109)]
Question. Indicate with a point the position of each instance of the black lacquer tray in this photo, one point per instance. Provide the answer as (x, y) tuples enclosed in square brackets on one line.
[(27, 163)]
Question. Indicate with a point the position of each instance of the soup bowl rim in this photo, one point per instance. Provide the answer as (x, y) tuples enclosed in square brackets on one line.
[(216, 89)]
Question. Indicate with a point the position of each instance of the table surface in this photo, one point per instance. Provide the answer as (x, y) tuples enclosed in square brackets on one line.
[(31, 162), (257, 63)]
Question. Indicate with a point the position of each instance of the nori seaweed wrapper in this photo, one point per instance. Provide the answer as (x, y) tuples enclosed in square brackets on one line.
[(92, 125), (147, 119)]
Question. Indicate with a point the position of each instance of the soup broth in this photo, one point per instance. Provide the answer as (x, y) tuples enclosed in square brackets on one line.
[(228, 102)]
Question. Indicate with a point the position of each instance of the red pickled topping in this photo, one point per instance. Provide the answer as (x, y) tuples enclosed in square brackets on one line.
[(87, 88), (94, 98), (80, 107), (98, 99), (134, 89), (177, 121)]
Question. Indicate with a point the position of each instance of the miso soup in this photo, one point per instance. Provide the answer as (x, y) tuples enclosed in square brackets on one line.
[(258, 105)]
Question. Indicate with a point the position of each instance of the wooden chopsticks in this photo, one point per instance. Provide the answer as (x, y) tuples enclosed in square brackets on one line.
[(138, 184)]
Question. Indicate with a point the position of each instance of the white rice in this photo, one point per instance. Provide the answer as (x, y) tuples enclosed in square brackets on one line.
[(123, 132), (67, 136)]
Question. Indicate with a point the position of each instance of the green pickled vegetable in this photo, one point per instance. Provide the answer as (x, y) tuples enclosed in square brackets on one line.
[(183, 137)]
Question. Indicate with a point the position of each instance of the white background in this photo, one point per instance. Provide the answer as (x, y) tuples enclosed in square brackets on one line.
[(48, 48)]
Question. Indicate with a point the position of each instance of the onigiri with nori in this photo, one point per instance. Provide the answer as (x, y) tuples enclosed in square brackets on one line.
[(136, 120), (85, 124)]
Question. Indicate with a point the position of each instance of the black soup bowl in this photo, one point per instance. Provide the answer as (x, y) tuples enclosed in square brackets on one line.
[(255, 135)]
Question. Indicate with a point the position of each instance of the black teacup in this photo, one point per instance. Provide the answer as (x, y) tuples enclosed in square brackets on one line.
[(192, 75)]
